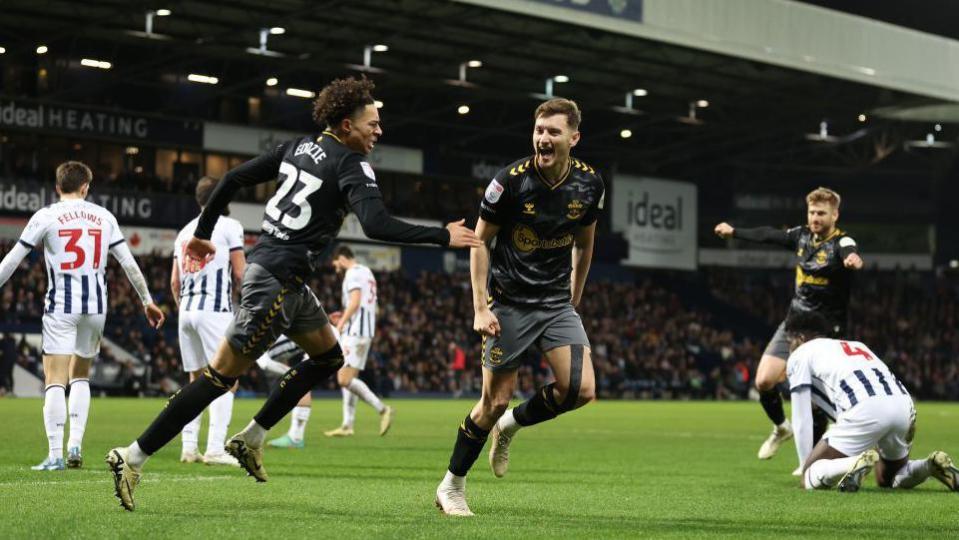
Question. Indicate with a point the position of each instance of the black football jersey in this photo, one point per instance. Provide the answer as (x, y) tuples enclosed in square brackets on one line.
[(531, 260), (823, 283), (319, 180)]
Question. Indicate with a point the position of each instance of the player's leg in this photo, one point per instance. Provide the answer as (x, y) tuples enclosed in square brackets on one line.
[(896, 470), (299, 417), (78, 408), (770, 372), (211, 328), (567, 351), (846, 454), (355, 353), (193, 361), (59, 344), (498, 388)]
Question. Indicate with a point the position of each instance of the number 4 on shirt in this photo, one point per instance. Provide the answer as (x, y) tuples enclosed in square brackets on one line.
[(850, 351)]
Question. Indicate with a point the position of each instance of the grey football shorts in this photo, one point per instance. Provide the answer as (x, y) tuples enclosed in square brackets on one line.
[(522, 328), (269, 308)]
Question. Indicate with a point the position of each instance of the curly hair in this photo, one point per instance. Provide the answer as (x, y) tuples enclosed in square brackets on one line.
[(340, 99)]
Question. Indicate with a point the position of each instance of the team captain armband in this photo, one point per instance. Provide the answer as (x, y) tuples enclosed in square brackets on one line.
[(847, 246)]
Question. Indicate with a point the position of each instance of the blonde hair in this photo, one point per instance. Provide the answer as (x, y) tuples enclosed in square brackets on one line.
[(824, 195)]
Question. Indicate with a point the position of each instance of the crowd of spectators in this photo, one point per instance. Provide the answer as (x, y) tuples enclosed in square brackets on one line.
[(648, 341)]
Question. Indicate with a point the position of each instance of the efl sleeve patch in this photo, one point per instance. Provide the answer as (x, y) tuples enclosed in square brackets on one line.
[(494, 191)]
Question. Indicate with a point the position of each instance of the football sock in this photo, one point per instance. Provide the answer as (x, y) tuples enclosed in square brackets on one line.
[(913, 473), (826, 473), (507, 423), (470, 439), (78, 405), (190, 436), (349, 407), (299, 380), (772, 403), (301, 415), (136, 457), (539, 408), (221, 411), (185, 405), (360, 388), (451, 481), (54, 417), (254, 434)]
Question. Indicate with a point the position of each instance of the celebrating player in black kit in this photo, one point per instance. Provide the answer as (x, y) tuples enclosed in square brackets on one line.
[(321, 179), (542, 210), (823, 281)]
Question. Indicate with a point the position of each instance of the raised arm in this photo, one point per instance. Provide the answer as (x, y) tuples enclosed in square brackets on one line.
[(484, 321)]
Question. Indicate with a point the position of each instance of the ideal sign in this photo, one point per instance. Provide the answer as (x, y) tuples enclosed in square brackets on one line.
[(658, 218)]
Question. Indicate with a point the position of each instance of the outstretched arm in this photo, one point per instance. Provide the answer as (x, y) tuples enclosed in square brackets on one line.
[(763, 235), (378, 224), (12, 261)]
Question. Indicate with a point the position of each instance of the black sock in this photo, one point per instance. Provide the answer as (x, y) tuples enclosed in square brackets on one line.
[(539, 408), (772, 403), (470, 440), (819, 424), (183, 407), (299, 380)]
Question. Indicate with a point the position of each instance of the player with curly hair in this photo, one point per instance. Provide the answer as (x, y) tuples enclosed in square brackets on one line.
[(320, 179)]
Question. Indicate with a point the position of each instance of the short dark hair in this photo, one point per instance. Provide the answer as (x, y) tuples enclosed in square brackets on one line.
[(204, 189), (809, 324), (341, 99), (562, 106), (343, 251), (73, 175)]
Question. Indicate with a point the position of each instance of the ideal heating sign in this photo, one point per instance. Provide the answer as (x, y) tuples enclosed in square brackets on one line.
[(658, 219)]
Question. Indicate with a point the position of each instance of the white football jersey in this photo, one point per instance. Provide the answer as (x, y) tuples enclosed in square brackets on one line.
[(840, 374), (363, 322), (210, 289), (77, 236)]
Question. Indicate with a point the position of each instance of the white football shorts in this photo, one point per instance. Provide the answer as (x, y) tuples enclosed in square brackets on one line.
[(72, 333), (355, 350), (200, 335), (883, 422)]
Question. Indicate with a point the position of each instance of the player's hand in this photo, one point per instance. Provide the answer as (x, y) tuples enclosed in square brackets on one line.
[(196, 253), (724, 230), (462, 236), (335, 318), (340, 325), (154, 315), (853, 261), (486, 323)]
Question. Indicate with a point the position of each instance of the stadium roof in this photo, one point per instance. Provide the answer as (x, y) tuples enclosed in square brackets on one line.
[(758, 116)]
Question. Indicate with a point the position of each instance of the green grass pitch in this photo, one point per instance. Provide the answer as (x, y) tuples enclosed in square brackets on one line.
[(611, 470)]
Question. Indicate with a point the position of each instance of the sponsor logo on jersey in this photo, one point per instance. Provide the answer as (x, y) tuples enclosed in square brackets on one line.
[(367, 170), (494, 191), (803, 278), (526, 240)]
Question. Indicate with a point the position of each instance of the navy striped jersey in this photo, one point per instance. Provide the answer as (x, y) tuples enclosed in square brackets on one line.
[(76, 237), (210, 289), (363, 321), (840, 374), (531, 262)]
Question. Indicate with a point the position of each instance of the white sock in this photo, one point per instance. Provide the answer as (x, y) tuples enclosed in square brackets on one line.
[(298, 420), (507, 423), (79, 407), (221, 411), (54, 417), (268, 364), (349, 407), (191, 434), (254, 434), (451, 481), (785, 425), (359, 388), (136, 457), (826, 473), (913, 473)]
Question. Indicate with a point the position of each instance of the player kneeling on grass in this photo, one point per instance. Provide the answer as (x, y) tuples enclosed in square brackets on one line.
[(871, 407)]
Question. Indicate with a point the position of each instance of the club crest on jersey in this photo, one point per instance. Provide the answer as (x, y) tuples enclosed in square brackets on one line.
[(821, 257), (528, 209), (367, 170), (494, 191), (576, 209)]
